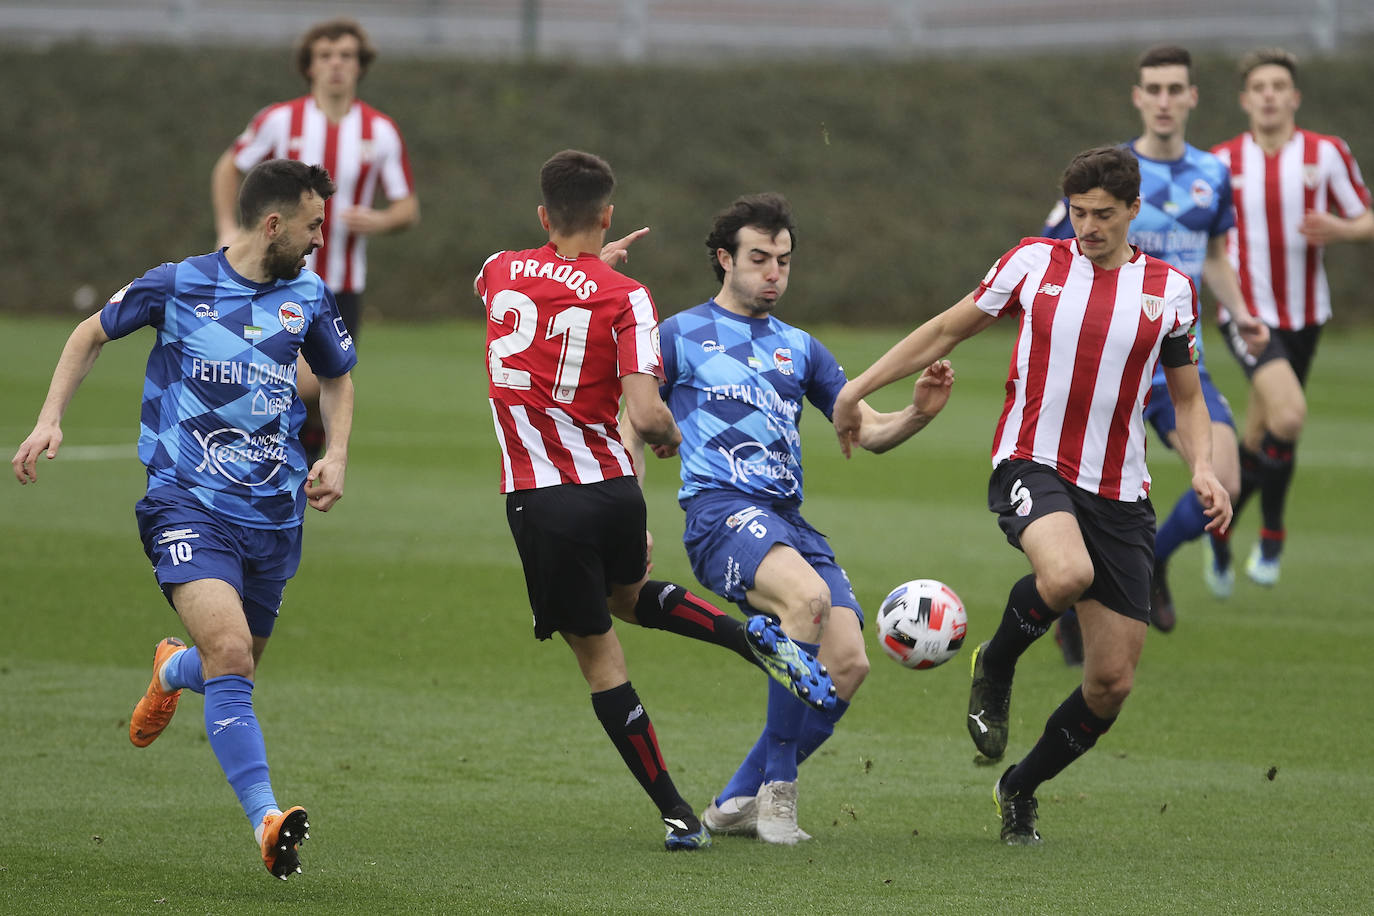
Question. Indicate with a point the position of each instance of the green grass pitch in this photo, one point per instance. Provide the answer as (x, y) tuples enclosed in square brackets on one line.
[(451, 764)]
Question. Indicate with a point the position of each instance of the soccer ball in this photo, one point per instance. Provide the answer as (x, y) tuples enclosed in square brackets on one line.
[(922, 623)]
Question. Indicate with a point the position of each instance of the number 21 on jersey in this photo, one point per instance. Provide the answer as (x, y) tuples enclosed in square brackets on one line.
[(571, 324)]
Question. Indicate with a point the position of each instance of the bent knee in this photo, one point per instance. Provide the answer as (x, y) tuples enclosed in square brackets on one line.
[(1287, 423), (1105, 694), (1063, 585)]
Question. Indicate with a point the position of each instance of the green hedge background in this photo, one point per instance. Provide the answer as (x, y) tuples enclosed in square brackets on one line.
[(908, 178)]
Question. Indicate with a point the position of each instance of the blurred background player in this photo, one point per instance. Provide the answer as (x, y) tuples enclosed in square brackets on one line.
[(567, 336), (1069, 481), (1185, 212), (222, 517), (1287, 181), (735, 377), (358, 145)]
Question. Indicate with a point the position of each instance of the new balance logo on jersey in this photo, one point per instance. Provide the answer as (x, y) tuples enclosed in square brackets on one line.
[(1050, 289), (635, 713)]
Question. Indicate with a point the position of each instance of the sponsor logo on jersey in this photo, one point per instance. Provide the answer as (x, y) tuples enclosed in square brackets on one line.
[(782, 360), (273, 402), (1152, 306), (1202, 194), (1049, 289), (204, 310), (235, 455), (755, 461), (252, 332), (710, 346), (292, 317)]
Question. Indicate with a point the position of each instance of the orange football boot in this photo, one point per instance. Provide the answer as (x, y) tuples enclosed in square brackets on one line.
[(155, 709), (282, 835)]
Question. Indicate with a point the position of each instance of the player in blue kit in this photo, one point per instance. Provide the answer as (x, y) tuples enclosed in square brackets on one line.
[(227, 475), (735, 380), (1185, 211)]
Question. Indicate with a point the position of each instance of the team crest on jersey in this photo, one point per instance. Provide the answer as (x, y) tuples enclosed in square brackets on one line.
[(292, 317), (119, 296), (782, 360), (1202, 194), (1152, 306), (1310, 176)]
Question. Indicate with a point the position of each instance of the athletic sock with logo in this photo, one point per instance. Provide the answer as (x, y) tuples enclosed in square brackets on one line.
[(1252, 476), (1186, 521), (1278, 458), (666, 606), (1070, 732), (1027, 617), (183, 670), (628, 726), (236, 739)]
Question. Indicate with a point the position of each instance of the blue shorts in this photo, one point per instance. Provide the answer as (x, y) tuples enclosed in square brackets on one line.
[(729, 533), (1159, 413), (185, 541)]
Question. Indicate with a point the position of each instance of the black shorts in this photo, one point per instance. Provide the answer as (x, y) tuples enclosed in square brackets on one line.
[(575, 542), (350, 310), (1120, 536), (1298, 347)]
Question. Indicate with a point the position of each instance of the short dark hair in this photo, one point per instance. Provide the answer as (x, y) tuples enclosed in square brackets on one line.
[(768, 212), (277, 184), (1114, 169), (1166, 56), (1262, 56), (333, 29), (577, 186)]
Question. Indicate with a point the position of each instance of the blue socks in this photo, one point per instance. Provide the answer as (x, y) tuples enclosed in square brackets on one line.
[(184, 671), (237, 742), (1186, 522)]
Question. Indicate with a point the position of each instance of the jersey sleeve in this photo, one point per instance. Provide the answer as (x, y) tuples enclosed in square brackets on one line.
[(141, 303), (1179, 346), (637, 343), (1225, 217), (1348, 191), (667, 343), (328, 345), (997, 293), (395, 167), (824, 379), (261, 137)]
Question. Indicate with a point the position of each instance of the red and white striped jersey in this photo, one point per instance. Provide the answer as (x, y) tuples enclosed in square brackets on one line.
[(1086, 348), (362, 149), (561, 332), (1281, 275)]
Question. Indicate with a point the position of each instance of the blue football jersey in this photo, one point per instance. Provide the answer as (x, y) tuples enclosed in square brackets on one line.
[(221, 419), (735, 386), (1184, 204)]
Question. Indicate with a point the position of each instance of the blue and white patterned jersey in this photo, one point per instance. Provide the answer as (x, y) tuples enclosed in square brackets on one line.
[(220, 418), (735, 386), (1184, 204)]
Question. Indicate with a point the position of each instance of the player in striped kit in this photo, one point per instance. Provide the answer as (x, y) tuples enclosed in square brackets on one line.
[(1069, 482), (567, 336), (357, 144), (735, 380), (1185, 212), (1287, 182), (228, 480)]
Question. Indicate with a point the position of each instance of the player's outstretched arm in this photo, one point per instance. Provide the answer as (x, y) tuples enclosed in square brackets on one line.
[(931, 341), (650, 417), (78, 356), (324, 484), (1322, 228), (225, 179), (618, 252), (1221, 279), (1194, 427), (880, 432)]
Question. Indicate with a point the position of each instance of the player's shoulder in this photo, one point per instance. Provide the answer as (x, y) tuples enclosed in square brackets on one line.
[(689, 320), (1174, 276), (1227, 148)]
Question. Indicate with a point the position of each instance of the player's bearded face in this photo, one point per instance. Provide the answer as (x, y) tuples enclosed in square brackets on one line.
[(285, 260), (300, 235)]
